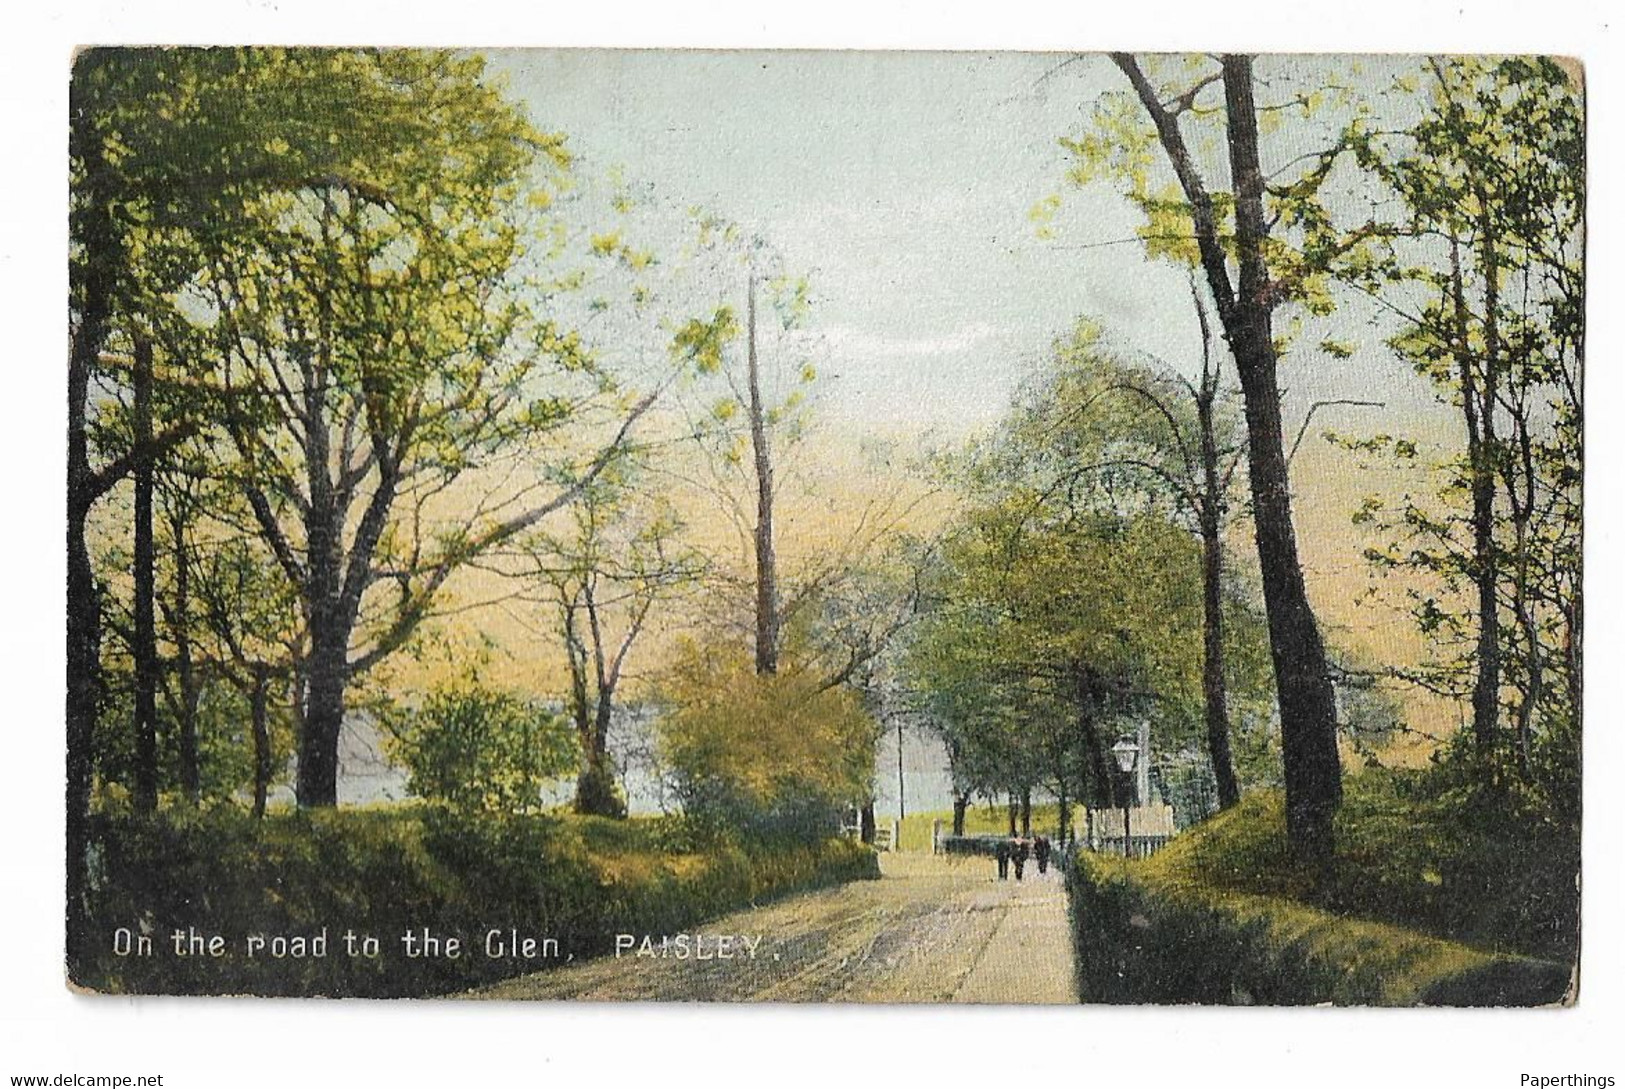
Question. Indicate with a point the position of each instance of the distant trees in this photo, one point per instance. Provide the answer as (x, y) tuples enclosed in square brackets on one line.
[(1071, 594), (1142, 436)]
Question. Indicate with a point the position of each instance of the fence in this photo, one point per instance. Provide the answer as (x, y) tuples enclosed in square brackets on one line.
[(1150, 828), (887, 834)]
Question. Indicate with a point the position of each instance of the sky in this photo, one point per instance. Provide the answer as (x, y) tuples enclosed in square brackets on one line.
[(903, 185)]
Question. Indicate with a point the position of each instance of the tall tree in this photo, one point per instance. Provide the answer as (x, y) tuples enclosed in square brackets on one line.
[(374, 349), (1482, 264), (1246, 305), (755, 405)]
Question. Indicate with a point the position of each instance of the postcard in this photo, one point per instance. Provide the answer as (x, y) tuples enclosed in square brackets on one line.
[(892, 527)]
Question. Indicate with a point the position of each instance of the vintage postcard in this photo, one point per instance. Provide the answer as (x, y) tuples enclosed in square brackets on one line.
[(825, 527)]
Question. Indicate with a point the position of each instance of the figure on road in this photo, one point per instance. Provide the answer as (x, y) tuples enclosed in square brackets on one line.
[(1041, 853), (1018, 852), (1001, 851)]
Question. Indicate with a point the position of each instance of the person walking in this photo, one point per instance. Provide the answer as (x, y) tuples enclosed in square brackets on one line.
[(1018, 852), (1001, 851), (1041, 853)]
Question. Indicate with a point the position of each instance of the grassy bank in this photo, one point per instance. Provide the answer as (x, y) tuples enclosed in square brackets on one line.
[(1424, 904), (388, 872)]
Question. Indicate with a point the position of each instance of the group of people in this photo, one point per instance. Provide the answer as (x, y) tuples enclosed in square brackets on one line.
[(1016, 850)]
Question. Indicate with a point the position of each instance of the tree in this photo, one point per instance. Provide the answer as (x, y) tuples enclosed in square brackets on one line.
[(373, 348), (621, 557), (1149, 436), (1039, 636), (757, 403), (1246, 305), (1482, 265)]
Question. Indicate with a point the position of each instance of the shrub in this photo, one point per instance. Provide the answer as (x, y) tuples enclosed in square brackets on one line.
[(387, 870), (1137, 940), (769, 758), (1426, 901), (476, 748)]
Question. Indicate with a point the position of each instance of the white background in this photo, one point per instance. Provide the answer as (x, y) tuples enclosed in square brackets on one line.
[(45, 1030)]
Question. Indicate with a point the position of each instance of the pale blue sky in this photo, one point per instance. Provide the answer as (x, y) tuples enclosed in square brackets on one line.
[(903, 183)]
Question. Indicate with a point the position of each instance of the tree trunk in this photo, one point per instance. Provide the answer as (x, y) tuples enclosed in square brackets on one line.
[(326, 671), (1313, 769), (596, 788), (185, 668), (84, 664), (144, 647), (1011, 806), (1063, 815), (1213, 685), (1026, 811), (1303, 686), (767, 591), (1478, 411), (961, 804), (93, 280), (1102, 775), (262, 740), (866, 822)]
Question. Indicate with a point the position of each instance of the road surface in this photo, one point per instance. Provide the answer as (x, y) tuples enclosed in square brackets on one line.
[(930, 930)]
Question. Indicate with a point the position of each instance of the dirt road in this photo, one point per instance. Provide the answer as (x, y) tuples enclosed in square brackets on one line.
[(930, 930)]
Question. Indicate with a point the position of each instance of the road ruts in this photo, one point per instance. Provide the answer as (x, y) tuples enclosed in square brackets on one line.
[(930, 930)]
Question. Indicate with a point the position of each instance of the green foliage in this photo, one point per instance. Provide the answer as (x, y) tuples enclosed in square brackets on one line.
[(1068, 594), (1430, 899), (481, 750), (385, 871), (1416, 849), (1138, 941), (766, 756)]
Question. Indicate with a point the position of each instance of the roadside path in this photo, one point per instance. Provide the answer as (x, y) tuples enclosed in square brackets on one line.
[(930, 930)]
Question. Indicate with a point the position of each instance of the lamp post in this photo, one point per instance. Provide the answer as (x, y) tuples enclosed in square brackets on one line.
[(1126, 753)]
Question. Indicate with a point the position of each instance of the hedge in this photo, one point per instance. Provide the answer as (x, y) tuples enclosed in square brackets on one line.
[(390, 870), (1138, 939)]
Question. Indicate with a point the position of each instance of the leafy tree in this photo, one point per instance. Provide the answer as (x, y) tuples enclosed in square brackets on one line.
[(1041, 635), (1239, 226), (479, 749), (1483, 265), (763, 754)]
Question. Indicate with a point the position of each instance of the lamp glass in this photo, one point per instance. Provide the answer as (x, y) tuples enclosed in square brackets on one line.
[(1126, 752)]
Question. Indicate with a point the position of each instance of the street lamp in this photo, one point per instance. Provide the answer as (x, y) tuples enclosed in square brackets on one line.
[(1126, 752)]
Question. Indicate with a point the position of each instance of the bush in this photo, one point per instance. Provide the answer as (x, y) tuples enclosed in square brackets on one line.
[(1427, 901), (387, 871), (765, 758), (478, 748), (1408, 853), (1140, 941)]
